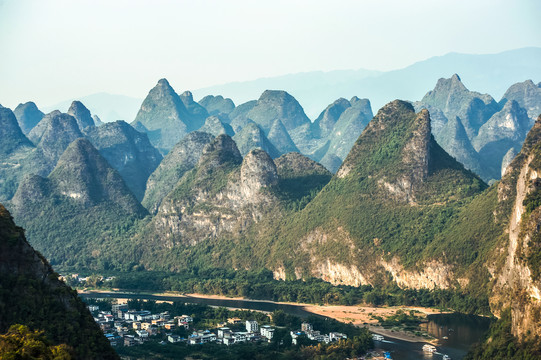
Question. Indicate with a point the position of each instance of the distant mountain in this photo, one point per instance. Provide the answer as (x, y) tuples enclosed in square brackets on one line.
[(527, 95), (52, 136), (214, 125), (14, 148), (128, 151), (490, 73), (81, 114), (28, 115), (217, 104), (39, 300), (165, 117), (252, 137), (109, 107)]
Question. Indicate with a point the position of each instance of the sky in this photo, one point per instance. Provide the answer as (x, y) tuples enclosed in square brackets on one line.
[(56, 50)]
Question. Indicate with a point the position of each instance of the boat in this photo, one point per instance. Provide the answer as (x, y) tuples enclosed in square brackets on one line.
[(387, 355), (445, 337), (429, 348), (446, 357), (377, 337)]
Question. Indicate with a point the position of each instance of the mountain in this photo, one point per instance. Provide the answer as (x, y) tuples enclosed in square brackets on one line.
[(325, 122), (28, 115), (83, 198), (81, 114), (215, 126), (14, 148), (198, 112), (109, 107), (527, 95), (454, 99), (279, 137), (277, 104), (39, 300), (182, 158), (488, 73), (506, 129), (216, 105), (345, 132), (251, 137), (456, 142), (239, 116), (126, 150), (52, 135), (164, 116)]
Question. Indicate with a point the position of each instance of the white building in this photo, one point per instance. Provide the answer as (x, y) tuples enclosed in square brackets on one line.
[(267, 332), (173, 338), (252, 326), (224, 332)]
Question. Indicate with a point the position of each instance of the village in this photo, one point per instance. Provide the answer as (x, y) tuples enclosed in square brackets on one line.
[(128, 327)]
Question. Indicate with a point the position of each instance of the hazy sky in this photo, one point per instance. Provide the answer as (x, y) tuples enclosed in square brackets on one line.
[(55, 50)]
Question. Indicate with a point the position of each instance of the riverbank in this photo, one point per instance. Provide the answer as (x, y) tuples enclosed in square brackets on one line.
[(359, 315)]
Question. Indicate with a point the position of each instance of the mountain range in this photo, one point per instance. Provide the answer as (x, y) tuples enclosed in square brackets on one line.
[(441, 193)]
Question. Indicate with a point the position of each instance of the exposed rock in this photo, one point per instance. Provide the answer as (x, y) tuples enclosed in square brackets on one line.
[(97, 120), (182, 158), (81, 114), (217, 104), (257, 171), (28, 115), (126, 150)]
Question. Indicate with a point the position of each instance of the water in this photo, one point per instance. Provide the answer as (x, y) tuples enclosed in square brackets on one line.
[(462, 331)]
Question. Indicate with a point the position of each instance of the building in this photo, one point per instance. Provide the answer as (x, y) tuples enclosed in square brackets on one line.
[(252, 326), (335, 336), (173, 338), (267, 332), (119, 307), (129, 340), (306, 327), (224, 332)]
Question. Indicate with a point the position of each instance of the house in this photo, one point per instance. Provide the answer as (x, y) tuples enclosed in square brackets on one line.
[(173, 338), (186, 318), (224, 332), (252, 326), (294, 336), (306, 327), (129, 340), (183, 324), (93, 308), (170, 326), (137, 325), (119, 307), (335, 336), (142, 333), (267, 332), (165, 316)]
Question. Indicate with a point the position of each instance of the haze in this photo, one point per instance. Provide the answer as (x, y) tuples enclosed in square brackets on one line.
[(55, 50)]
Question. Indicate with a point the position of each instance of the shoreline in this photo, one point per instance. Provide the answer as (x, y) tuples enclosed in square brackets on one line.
[(359, 315)]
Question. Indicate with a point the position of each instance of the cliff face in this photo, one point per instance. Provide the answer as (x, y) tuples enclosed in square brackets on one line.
[(222, 195), (517, 280), (36, 297)]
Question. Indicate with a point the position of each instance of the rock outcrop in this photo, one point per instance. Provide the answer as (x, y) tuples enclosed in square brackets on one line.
[(251, 137), (216, 105), (81, 114)]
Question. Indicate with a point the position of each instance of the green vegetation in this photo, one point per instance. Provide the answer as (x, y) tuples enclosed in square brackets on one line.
[(260, 285), (500, 344), (22, 343)]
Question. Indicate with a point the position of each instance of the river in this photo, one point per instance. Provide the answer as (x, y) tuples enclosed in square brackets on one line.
[(462, 331)]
